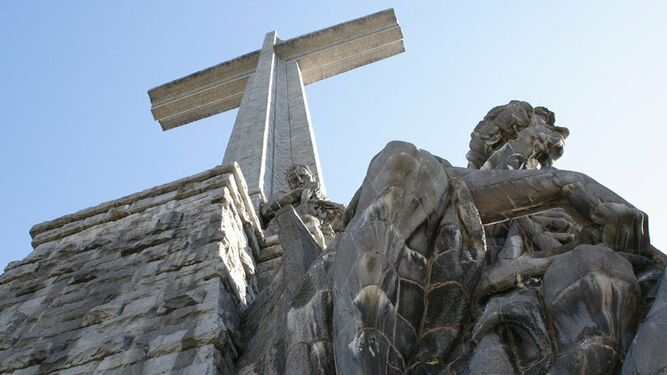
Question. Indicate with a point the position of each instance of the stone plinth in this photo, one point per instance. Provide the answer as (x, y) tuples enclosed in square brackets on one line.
[(154, 282)]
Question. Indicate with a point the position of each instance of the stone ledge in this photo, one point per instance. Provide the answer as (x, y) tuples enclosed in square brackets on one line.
[(138, 202)]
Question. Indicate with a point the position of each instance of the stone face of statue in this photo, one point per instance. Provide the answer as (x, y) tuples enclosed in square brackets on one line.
[(300, 176), (516, 136)]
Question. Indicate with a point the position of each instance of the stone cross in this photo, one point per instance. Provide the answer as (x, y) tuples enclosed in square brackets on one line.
[(273, 131)]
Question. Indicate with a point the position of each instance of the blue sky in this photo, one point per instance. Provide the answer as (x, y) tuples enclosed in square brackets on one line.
[(76, 128)]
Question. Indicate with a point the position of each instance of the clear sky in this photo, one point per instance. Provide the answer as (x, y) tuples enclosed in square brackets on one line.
[(76, 128)]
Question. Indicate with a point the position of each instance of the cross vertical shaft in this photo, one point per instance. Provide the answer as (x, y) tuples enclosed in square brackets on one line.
[(273, 130)]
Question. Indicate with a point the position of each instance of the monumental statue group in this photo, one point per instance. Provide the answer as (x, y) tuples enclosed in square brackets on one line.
[(505, 266)]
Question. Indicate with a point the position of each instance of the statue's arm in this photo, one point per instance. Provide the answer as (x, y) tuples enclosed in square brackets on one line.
[(293, 197), (504, 194)]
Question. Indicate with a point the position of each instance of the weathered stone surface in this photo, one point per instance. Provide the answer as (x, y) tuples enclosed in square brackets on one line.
[(390, 283), (310, 322), (301, 250), (270, 328), (154, 283), (648, 351), (491, 356), (592, 295), (517, 314)]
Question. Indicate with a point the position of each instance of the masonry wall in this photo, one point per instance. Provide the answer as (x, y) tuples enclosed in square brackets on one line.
[(148, 284)]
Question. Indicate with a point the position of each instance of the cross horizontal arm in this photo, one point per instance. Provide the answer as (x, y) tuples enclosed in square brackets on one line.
[(202, 94), (320, 55), (346, 46)]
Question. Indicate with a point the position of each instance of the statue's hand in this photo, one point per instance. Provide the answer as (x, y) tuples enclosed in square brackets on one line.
[(620, 226), (557, 224)]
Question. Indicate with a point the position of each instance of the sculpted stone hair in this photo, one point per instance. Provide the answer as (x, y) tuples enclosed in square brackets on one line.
[(500, 126)]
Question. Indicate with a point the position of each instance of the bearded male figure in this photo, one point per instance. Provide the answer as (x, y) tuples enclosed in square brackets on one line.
[(509, 266)]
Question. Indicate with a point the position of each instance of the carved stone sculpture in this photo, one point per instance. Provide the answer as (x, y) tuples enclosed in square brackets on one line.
[(305, 195), (509, 266), (303, 186), (516, 136)]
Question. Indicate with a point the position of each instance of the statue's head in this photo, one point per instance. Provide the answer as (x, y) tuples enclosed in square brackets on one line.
[(300, 176), (516, 135)]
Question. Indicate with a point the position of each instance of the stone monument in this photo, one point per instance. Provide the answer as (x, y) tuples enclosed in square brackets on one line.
[(273, 131), (507, 266)]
